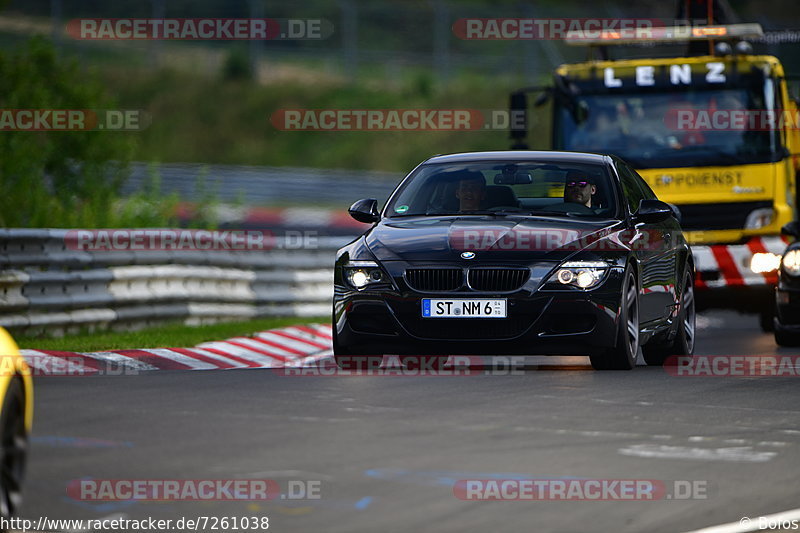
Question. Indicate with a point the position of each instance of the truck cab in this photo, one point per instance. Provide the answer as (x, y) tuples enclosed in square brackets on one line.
[(715, 134)]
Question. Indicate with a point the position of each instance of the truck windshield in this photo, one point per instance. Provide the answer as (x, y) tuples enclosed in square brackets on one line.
[(675, 129)]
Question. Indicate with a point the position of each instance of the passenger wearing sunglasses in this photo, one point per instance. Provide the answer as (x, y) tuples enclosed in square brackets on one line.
[(579, 188)]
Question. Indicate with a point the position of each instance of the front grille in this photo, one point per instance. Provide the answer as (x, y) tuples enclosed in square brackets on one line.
[(434, 279), (497, 279), (731, 215), (468, 329)]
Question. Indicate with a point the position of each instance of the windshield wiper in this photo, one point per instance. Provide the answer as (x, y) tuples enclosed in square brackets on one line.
[(553, 213), (471, 213), (487, 212), (496, 214), (467, 213)]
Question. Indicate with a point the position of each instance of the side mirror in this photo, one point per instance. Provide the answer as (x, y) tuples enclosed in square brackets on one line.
[(652, 212), (365, 210), (518, 106), (542, 99), (792, 229), (676, 212)]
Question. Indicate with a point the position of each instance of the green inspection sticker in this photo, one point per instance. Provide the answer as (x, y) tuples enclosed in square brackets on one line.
[(401, 208)]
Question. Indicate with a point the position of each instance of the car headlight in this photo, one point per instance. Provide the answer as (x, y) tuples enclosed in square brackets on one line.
[(363, 274), (791, 262), (759, 218), (580, 274)]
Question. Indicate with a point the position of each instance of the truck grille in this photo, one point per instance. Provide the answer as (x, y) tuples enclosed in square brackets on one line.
[(730, 215), (497, 279), (434, 279)]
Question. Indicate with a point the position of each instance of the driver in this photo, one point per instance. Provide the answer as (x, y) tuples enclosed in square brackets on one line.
[(601, 128), (471, 191), (579, 188)]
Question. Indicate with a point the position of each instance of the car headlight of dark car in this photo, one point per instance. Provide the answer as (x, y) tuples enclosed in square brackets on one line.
[(578, 274), (361, 275), (791, 262)]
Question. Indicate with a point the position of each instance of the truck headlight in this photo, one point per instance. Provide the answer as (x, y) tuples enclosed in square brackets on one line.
[(363, 274), (791, 262), (759, 218), (580, 274), (761, 263)]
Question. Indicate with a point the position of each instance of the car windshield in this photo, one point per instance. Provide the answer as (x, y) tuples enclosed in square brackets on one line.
[(506, 188), (644, 129)]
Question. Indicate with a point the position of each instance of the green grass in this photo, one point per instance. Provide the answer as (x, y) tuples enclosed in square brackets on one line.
[(170, 336), (199, 116), (210, 120)]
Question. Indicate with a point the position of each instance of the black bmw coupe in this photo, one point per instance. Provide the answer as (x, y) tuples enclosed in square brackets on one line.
[(516, 253)]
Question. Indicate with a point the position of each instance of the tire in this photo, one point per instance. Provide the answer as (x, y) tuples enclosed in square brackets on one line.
[(14, 442), (766, 320), (623, 355), (786, 338), (683, 343)]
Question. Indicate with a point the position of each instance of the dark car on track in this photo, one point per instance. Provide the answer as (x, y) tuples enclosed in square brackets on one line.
[(787, 294), (516, 253)]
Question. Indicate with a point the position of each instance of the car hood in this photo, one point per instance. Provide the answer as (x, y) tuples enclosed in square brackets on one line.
[(523, 239)]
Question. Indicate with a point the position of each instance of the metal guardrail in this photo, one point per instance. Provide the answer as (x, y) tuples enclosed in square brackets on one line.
[(264, 185), (47, 287)]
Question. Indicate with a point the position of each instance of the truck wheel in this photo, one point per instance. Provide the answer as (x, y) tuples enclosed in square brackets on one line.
[(766, 319)]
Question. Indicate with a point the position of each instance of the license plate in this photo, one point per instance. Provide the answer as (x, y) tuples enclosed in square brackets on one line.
[(472, 308)]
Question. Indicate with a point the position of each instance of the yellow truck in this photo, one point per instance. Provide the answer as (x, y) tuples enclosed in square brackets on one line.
[(716, 135)]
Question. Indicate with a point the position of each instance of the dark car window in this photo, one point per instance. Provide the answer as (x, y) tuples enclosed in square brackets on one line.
[(522, 187), (647, 192), (633, 186)]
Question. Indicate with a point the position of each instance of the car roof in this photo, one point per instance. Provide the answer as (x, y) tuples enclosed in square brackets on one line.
[(521, 155)]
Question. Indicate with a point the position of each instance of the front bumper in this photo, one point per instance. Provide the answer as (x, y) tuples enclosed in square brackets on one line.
[(567, 322), (725, 279)]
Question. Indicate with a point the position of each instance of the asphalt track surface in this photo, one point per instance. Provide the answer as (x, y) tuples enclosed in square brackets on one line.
[(386, 451)]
